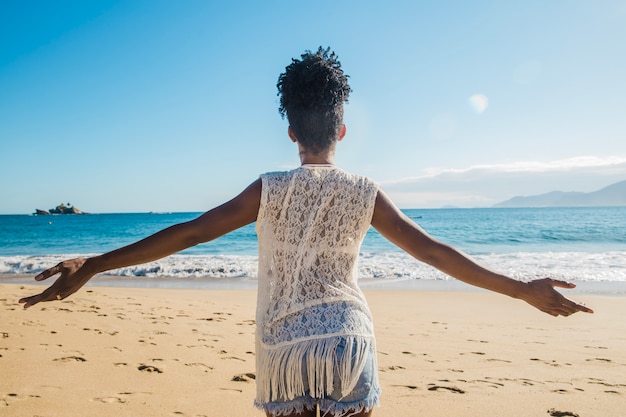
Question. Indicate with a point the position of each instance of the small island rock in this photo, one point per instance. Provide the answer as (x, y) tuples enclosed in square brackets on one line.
[(60, 209)]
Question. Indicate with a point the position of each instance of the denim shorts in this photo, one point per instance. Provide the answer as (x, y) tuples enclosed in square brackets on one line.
[(364, 396)]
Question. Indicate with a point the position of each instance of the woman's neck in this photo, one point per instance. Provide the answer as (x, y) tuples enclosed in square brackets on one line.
[(325, 157)]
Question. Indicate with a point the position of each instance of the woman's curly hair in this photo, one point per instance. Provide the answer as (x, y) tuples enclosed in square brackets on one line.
[(312, 91)]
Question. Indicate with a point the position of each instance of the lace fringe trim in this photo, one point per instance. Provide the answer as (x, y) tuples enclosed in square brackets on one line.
[(280, 375)]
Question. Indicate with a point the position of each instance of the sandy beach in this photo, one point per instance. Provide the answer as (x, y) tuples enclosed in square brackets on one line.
[(110, 351)]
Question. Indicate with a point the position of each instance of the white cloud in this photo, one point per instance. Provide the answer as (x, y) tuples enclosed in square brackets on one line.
[(577, 163), (485, 185)]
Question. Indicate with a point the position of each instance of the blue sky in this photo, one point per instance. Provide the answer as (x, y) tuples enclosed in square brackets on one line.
[(135, 106)]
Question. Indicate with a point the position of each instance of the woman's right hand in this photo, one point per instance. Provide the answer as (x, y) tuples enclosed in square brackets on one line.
[(74, 274)]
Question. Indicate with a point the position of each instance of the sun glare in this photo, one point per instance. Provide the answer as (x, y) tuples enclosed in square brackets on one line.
[(479, 103)]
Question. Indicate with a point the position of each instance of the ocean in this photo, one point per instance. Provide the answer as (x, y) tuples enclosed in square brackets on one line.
[(576, 244)]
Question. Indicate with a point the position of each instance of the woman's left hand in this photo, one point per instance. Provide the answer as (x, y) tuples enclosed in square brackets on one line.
[(542, 295)]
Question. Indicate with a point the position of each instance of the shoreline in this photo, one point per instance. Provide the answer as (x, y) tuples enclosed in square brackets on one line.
[(609, 288)]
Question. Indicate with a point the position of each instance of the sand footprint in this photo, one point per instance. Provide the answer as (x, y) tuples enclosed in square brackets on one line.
[(556, 413), (560, 391), (109, 400), (98, 331), (525, 381), (4, 402), (487, 381), (599, 360), (234, 358), (455, 390), (220, 317), (244, 377), (606, 384), (207, 368), (7, 399), (551, 362), (498, 360), (150, 369), (70, 359), (392, 368)]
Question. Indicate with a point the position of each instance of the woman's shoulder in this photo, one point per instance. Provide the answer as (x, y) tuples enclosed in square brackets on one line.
[(358, 179), (276, 174)]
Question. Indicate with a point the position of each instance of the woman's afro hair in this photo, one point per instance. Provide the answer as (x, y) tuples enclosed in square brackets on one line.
[(314, 82)]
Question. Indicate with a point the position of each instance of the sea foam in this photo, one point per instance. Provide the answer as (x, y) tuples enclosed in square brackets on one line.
[(574, 266)]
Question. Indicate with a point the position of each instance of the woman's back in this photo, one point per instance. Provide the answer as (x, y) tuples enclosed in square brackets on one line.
[(311, 224)]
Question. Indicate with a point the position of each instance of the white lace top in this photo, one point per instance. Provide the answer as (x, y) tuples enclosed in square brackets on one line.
[(310, 226)]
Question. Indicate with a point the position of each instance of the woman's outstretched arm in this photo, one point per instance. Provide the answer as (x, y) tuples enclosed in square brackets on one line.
[(407, 235), (238, 212)]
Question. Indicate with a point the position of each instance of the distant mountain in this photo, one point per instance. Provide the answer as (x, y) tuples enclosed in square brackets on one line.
[(613, 195)]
